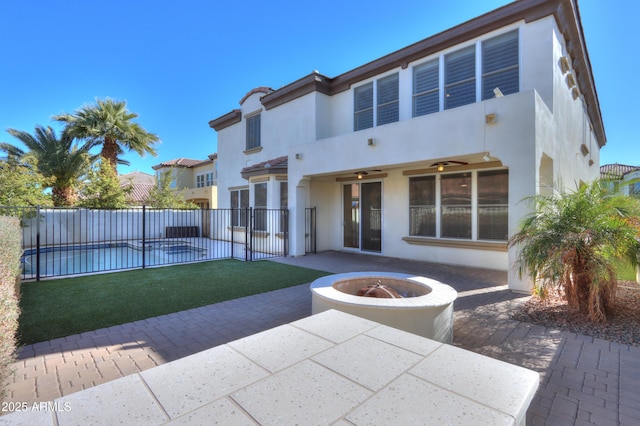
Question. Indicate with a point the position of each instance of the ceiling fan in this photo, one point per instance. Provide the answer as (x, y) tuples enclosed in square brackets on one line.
[(363, 173), (440, 164)]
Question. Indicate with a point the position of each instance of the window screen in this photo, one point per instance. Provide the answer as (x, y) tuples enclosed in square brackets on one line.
[(253, 131), (500, 65), (422, 206), (456, 205), (426, 96), (388, 96), (460, 78), (363, 107), (493, 205)]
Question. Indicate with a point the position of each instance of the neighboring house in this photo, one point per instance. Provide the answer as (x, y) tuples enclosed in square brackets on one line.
[(141, 184), (622, 177), (195, 179), (427, 152)]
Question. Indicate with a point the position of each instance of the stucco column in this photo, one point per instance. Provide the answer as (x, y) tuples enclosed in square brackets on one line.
[(298, 201)]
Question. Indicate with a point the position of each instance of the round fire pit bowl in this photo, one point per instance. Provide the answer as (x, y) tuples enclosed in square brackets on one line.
[(425, 308)]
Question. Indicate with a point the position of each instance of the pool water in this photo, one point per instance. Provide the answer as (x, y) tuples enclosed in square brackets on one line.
[(68, 260)]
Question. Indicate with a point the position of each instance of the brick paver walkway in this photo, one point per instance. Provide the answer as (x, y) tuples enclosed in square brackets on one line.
[(583, 380)]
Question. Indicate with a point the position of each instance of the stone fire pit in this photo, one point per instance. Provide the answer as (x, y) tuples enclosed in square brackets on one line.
[(425, 307)]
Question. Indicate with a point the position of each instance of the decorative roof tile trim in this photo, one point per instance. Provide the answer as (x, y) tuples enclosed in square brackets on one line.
[(616, 171), (314, 82), (278, 165), (261, 89), (226, 120), (181, 162)]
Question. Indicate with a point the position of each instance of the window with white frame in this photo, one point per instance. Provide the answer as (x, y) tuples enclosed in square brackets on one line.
[(388, 100), (500, 65), (460, 78), (260, 206), (253, 131), (426, 93), (493, 205), (239, 205), (456, 207), (206, 179), (422, 206), (363, 107), (455, 197)]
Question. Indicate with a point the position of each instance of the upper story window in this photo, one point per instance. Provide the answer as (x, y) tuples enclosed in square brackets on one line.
[(206, 179), (363, 107), (388, 100), (210, 179), (500, 65), (253, 131), (426, 93), (460, 78)]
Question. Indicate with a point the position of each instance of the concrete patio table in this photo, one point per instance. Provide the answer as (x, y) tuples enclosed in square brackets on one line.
[(324, 369)]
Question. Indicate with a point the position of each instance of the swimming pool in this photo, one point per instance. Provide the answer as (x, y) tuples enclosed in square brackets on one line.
[(88, 258)]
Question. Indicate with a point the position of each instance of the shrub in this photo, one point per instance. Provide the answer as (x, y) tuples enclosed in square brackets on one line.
[(10, 251), (570, 241)]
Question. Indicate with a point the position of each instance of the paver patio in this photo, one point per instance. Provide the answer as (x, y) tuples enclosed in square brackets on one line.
[(583, 380)]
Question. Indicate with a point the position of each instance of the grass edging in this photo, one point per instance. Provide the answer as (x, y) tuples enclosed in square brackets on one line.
[(62, 307)]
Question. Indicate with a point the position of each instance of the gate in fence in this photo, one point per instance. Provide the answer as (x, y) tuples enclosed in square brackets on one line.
[(70, 241)]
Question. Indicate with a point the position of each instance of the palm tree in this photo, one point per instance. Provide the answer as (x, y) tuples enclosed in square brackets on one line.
[(108, 123), (570, 241), (61, 159)]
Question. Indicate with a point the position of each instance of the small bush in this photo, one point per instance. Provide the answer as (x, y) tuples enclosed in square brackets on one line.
[(10, 251)]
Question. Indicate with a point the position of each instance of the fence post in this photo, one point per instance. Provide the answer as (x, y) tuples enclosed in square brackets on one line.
[(286, 232), (248, 216), (38, 243), (144, 236), (232, 232)]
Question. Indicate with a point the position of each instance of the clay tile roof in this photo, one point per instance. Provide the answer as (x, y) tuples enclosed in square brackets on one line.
[(277, 165), (262, 89), (140, 193), (180, 162), (616, 171)]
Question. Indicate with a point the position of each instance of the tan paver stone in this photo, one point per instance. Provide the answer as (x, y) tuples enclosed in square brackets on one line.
[(280, 347), (189, 383), (129, 402), (296, 402), (396, 405)]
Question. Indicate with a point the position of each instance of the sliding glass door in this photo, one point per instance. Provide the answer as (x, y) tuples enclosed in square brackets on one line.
[(362, 216)]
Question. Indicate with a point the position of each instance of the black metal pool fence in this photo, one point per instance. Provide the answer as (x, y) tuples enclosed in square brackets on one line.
[(69, 241)]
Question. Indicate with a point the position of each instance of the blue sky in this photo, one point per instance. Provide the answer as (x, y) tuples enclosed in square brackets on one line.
[(180, 64)]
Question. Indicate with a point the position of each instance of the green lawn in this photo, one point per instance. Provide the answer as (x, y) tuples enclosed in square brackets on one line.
[(62, 307)]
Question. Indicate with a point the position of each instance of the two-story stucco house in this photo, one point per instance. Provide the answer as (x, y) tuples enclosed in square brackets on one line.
[(195, 179), (427, 152)]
